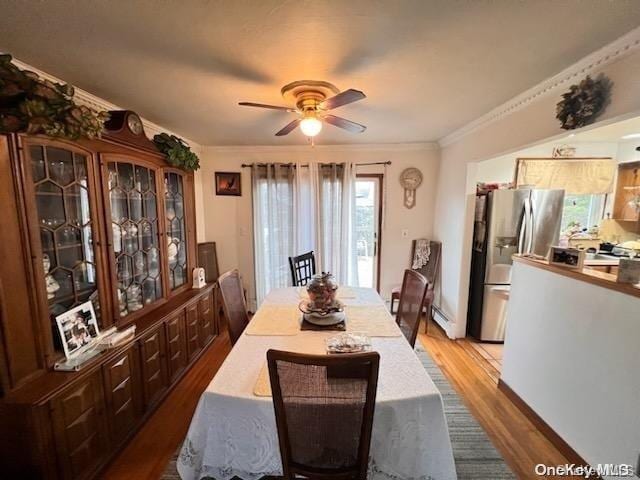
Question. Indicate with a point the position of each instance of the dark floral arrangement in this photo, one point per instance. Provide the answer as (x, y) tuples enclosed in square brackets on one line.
[(582, 104), (34, 105), (178, 153)]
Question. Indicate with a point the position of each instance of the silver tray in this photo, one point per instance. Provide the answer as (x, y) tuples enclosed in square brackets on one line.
[(324, 320)]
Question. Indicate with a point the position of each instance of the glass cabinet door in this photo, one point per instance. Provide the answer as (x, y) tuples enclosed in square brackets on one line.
[(61, 185), (133, 202), (175, 229)]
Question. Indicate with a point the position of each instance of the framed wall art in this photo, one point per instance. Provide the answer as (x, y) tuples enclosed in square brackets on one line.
[(228, 183)]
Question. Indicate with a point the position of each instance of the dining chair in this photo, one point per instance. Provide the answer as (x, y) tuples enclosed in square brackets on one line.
[(412, 295), (430, 271), (324, 406), (303, 267), (233, 303)]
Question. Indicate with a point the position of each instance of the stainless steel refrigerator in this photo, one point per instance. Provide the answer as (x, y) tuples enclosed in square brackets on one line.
[(506, 222)]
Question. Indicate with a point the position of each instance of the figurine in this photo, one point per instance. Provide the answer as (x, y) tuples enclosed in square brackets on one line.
[(51, 284)]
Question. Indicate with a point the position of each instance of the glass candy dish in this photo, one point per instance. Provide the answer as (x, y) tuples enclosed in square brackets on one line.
[(352, 342)]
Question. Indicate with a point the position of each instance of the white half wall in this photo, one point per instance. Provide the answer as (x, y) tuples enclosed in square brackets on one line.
[(228, 220), (573, 359), (529, 122)]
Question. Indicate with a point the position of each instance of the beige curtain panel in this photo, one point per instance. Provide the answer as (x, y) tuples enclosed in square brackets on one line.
[(577, 176)]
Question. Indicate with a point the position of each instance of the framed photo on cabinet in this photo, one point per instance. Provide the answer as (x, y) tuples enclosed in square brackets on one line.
[(78, 329), (228, 183)]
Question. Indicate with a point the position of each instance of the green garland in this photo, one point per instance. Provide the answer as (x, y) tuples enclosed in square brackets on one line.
[(582, 104), (34, 105), (178, 153)]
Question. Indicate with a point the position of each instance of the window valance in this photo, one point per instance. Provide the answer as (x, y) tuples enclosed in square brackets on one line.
[(577, 176)]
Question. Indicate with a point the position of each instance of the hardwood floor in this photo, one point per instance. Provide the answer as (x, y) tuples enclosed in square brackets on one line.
[(147, 454), (517, 439)]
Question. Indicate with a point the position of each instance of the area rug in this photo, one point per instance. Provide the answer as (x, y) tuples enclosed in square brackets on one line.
[(475, 456)]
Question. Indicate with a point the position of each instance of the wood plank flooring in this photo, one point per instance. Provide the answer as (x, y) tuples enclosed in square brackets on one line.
[(517, 439)]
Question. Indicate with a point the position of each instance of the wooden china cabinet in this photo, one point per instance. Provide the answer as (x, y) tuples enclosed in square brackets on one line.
[(106, 221)]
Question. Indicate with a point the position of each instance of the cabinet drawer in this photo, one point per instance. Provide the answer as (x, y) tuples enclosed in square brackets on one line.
[(176, 346), (154, 376), (122, 394), (206, 319), (79, 427), (193, 332)]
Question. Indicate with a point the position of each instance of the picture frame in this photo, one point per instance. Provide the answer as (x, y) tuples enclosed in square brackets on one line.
[(571, 258), (78, 329), (228, 184)]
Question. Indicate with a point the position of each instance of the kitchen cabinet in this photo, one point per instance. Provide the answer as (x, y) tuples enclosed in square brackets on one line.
[(627, 197)]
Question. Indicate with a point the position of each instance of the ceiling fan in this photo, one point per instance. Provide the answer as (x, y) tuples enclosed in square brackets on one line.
[(313, 99)]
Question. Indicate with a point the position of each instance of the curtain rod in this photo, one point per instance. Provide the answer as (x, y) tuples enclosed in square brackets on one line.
[(246, 165)]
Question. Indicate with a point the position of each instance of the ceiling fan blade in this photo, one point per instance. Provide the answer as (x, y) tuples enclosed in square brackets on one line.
[(288, 128), (272, 107), (348, 125), (343, 98)]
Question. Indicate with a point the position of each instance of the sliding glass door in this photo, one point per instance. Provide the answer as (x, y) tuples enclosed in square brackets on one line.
[(367, 225)]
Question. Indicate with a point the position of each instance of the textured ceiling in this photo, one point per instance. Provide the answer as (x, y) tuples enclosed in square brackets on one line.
[(427, 66)]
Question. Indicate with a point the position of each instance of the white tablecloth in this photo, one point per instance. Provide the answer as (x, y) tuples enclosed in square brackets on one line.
[(233, 432)]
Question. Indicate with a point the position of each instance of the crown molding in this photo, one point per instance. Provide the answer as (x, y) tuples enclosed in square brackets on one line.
[(369, 147), (92, 101), (625, 45)]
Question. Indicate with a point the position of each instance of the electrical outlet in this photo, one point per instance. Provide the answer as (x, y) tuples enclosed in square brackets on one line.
[(405, 233)]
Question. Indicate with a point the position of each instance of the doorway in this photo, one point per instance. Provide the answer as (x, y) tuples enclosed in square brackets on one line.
[(368, 218)]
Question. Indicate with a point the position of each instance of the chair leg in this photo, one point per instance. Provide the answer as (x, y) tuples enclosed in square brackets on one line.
[(428, 304)]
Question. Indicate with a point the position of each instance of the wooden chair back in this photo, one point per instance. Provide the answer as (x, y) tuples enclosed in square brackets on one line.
[(414, 290), (430, 270), (303, 267), (233, 303), (324, 406)]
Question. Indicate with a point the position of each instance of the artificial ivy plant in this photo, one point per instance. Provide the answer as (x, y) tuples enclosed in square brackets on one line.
[(34, 105), (178, 153)]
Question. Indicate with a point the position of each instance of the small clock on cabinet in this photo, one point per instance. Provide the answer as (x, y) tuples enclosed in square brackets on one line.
[(134, 123), (126, 127)]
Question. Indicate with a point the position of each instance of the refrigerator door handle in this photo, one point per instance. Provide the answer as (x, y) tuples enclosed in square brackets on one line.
[(523, 229), (531, 228)]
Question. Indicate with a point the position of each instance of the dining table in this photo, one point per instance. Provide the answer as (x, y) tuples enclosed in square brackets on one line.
[(233, 430)]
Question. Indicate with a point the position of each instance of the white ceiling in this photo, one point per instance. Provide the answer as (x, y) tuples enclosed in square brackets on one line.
[(428, 67)]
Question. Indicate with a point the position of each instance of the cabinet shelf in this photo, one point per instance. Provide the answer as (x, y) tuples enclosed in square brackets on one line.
[(70, 296)]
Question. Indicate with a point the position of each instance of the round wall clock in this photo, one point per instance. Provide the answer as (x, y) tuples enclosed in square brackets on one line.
[(134, 123), (410, 179)]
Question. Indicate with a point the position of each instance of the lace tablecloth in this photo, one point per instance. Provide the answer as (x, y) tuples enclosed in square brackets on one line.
[(233, 432)]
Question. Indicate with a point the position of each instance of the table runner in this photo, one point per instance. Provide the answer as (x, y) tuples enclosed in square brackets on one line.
[(233, 431)]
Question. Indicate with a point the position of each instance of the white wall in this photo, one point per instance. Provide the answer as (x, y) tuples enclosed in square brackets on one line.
[(228, 220), (573, 358), (530, 123)]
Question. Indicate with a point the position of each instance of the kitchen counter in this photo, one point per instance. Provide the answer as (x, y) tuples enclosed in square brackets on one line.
[(571, 358), (602, 279)]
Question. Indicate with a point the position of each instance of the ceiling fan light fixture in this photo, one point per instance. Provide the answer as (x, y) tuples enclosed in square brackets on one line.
[(310, 126)]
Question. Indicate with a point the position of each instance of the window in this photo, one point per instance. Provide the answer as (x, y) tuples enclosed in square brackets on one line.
[(585, 210)]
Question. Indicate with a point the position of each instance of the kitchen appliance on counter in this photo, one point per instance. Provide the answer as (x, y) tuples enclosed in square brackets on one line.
[(525, 221)]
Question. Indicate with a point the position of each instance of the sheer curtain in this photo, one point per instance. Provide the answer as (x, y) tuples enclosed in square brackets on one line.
[(335, 230), (300, 208), (274, 226)]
